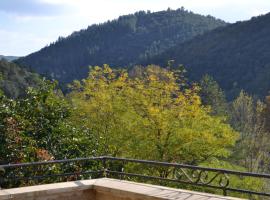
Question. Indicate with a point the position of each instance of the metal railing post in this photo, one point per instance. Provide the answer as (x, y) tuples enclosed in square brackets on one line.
[(104, 164), (225, 192), (2, 172)]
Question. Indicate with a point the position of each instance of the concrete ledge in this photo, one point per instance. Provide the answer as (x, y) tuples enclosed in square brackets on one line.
[(66, 190), (103, 189)]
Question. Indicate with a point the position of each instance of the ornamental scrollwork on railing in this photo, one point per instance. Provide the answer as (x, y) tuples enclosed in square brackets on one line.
[(202, 177)]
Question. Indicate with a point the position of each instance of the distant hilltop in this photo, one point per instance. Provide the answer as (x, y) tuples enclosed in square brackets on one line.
[(120, 43), (8, 58)]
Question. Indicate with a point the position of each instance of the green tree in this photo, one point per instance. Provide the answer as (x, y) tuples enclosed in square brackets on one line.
[(247, 117), (37, 127), (212, 95)]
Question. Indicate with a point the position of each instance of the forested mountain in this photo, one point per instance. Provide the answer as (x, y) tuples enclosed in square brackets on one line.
[(237, 56), (8, 58), (120, 42), (14, 80)]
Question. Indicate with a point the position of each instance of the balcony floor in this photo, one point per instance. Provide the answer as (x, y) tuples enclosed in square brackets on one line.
[(104, 189)]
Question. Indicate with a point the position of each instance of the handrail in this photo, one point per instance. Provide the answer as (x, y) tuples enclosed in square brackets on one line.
[(251, 174), (49, 162)]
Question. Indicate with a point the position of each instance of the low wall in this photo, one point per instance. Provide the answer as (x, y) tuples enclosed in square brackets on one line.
[(103, 189), (78, 190)]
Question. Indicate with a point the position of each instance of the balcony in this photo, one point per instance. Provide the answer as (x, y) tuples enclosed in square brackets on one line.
[(103, 189), (118, 178)]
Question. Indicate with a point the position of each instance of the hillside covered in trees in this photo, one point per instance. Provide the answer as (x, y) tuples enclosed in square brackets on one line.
[(122, 42), (14, 80), (237, 56)]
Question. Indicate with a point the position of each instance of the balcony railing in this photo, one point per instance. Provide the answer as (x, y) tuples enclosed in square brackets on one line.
[(206, 179)]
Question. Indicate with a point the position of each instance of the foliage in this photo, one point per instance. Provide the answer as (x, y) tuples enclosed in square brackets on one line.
[(212, 95), (14, 80), (150, 117), (252, 149), (121, 42), (36, 127), (237, 56)]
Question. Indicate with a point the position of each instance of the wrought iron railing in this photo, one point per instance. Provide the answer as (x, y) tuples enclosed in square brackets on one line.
[(169, 174)]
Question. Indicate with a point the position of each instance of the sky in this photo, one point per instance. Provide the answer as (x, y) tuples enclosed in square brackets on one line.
[(28, 25)]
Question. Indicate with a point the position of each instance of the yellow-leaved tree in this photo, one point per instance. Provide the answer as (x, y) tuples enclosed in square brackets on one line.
[(149, 116)]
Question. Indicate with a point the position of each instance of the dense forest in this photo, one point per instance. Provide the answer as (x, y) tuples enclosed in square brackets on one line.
[(14, 80), (237, 56), (121, 42)]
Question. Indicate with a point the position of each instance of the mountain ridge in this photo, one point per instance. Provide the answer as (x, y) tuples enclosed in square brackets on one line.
[(237, 56), (119, 43)]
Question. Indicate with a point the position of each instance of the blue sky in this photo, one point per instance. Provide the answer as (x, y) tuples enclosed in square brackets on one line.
[(28, 25)]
